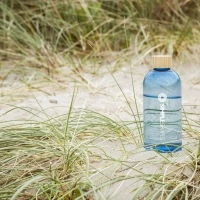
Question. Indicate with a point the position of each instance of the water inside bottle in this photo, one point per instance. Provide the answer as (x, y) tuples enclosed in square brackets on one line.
[(162, 123)]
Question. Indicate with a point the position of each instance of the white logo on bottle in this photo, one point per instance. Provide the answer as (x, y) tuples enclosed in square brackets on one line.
[(162, 98)]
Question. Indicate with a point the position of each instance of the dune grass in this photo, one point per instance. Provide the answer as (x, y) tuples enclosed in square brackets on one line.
[(81, 153), (49, 33), (85, 154)]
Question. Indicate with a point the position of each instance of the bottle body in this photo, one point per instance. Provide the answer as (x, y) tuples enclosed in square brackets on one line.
[(162, 110)]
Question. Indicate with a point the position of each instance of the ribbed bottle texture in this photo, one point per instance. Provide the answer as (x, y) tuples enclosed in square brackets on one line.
[(162, 107)]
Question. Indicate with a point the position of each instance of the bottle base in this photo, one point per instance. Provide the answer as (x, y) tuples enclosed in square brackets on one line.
[(164, 148)]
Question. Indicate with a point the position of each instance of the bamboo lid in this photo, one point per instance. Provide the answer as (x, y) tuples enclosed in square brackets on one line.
[(161, 61)]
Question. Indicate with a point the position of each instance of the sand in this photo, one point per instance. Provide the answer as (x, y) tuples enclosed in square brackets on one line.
[(100, 93)]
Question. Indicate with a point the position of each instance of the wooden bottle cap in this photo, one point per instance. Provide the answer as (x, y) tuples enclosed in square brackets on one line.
[(161, 61)]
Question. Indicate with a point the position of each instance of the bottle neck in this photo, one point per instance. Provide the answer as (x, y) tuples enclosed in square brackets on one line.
[(162, 69)]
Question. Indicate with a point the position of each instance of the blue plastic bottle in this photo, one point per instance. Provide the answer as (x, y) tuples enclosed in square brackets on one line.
[(162, 107)]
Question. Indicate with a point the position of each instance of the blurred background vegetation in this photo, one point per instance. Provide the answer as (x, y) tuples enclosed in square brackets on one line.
[(44, 32)]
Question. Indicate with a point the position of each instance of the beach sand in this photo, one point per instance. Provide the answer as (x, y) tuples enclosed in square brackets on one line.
[(121, 161)]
